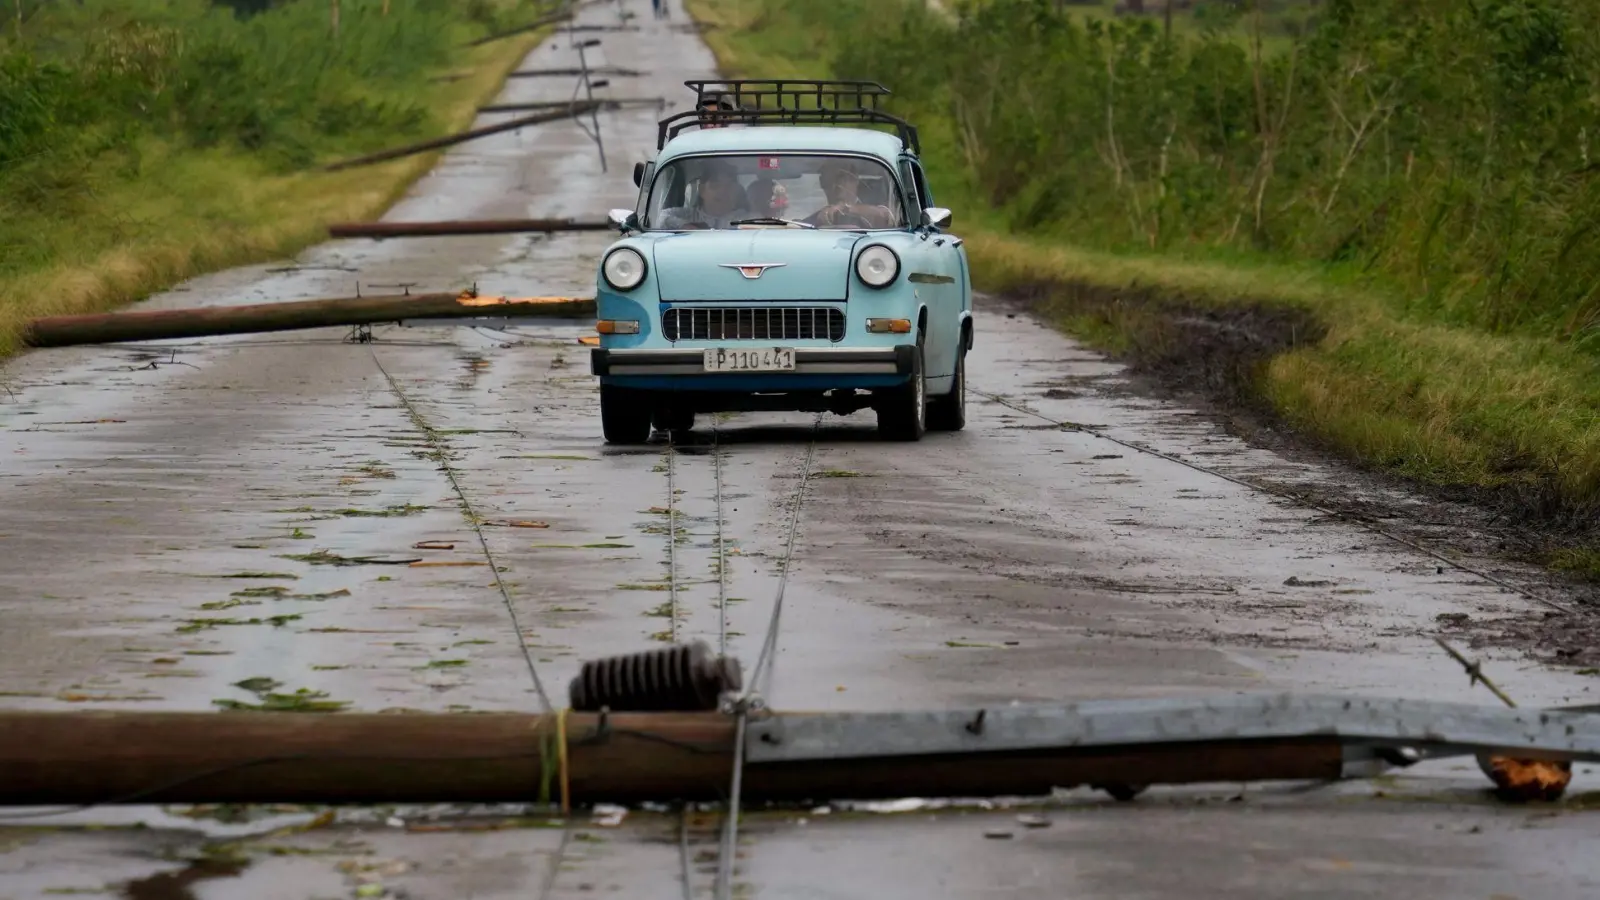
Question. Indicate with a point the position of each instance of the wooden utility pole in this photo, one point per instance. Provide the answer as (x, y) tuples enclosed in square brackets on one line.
[(249, 757), (1168, 25), (334, 16), (609, 103), (568, 112), (109, 328), (463, 227), (536, 24), (386, 8)]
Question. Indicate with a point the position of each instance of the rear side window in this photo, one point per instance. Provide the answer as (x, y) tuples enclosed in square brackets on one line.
[(922, 186)]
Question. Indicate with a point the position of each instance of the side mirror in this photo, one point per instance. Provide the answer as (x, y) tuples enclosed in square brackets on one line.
[(936, 217), (623, 219), (638, 174)]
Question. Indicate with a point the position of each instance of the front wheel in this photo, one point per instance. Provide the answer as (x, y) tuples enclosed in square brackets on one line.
[(903, 415), (949, 413), (624, 415)]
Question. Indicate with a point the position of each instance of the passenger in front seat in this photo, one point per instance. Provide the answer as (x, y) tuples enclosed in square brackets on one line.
[(721, 201)]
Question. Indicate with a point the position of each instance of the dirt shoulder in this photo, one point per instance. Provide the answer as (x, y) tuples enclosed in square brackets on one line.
[(1356, 367), (1213, 359)]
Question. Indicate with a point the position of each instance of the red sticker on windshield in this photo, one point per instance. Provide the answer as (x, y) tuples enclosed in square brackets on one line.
[(769, 162)]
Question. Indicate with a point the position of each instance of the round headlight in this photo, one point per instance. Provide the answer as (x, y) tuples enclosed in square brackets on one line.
[(877, 265), (623, 268)]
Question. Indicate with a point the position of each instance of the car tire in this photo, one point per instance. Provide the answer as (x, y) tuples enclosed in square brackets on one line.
[(903, 416), (624, 415), (674, 420), (949, 413)]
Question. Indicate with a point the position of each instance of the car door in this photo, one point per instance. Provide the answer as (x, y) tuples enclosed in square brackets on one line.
[(938, 273)]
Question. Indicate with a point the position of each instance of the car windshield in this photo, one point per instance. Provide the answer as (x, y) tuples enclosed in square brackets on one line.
[(727, 191)]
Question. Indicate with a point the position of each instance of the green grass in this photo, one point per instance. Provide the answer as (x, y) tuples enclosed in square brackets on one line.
[(117, 204), (1443, 404), (1402, 382)]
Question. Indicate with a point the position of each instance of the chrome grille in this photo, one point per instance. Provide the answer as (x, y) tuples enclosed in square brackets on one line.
[(763, 323)]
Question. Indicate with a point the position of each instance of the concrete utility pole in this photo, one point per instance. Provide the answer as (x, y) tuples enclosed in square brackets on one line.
[(1169, 20), (334, 16)]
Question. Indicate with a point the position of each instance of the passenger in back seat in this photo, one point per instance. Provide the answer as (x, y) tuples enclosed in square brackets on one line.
[(767, 197)]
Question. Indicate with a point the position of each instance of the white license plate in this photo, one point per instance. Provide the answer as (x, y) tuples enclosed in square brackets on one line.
[(755, 359)]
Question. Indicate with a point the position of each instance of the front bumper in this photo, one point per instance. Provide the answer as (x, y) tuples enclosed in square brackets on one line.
[(807, 361)]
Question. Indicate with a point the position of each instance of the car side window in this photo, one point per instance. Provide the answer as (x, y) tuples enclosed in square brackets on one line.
[(644, 190), (922, 186), (914, 201)]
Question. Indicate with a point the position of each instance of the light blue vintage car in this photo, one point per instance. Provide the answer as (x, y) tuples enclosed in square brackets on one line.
[(802, 267)]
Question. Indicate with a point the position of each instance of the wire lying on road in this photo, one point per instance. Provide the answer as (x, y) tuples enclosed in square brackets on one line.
[(441, 452), (761, 678)]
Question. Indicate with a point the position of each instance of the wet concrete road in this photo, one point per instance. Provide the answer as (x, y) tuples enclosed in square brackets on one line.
[(179, 518)]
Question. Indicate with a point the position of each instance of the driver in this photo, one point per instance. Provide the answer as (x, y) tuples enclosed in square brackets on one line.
[(840, 183), (720, 201)]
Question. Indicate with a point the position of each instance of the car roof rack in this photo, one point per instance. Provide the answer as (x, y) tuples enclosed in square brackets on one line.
[(767, 101)]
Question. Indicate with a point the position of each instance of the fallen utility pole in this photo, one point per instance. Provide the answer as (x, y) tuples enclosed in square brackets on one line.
[(84, 758), (597, 70), (547, 104), (382, 230), (535, 25), (109, 328), (630, 757), (568, 111), (610, 103)]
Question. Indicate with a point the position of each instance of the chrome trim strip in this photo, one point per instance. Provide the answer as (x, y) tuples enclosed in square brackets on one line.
[(760, 268), (807, 361), (800, 368)]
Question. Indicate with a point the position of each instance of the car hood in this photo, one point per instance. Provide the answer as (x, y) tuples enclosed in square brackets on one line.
[(805, 264)]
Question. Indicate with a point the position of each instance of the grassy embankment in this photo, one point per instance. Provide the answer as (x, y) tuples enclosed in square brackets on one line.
[(141, 144), (1414, 178)]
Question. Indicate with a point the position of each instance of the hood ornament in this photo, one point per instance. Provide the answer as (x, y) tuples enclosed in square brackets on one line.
[(752, 271)]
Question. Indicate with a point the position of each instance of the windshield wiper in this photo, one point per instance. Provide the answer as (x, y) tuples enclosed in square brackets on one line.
[(771, 220)]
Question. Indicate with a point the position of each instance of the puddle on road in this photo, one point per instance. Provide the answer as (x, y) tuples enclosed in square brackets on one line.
[(176, 885)]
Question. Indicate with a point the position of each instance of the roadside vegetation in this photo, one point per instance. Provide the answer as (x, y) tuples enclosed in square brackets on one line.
[(1416, 178), (143, 143)]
